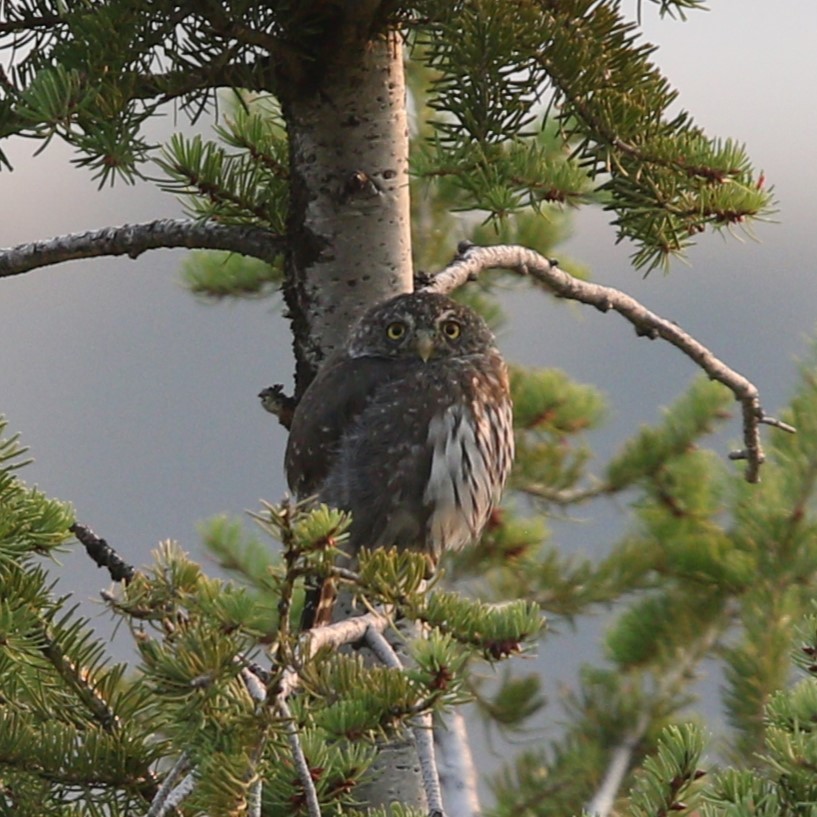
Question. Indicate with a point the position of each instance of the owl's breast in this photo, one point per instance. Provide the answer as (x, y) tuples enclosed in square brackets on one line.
[(424, 462), (471, 448)]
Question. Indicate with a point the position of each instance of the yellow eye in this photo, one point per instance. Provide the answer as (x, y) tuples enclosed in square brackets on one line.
[(396, 330), (452, 330)]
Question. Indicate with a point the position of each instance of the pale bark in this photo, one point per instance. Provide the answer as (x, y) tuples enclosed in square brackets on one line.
[(134, 239), (350, 243), (349, 226)]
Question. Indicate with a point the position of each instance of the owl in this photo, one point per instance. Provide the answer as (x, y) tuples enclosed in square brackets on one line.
[(408, 427)]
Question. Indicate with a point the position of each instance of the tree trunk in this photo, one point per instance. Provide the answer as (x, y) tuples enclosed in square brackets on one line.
[(350, 247), (349, 228)]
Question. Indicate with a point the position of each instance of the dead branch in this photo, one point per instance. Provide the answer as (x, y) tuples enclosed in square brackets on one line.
[(301, 764), (134, 239), (471, 260)]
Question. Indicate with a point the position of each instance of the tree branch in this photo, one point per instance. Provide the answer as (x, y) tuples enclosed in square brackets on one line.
[(313, 805), (26, 23), (347, 631), (472, 260), (601, 804), (80, 680), (621, 757), (134, 239), (165, 797)]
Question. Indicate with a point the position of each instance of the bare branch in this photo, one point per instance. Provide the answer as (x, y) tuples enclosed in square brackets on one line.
[(313, 806), (28, 23), (473, 260), (254, 801), (348, 631), (177, 795), (134, 239), (566, 496), (166, 798), (775, 423), (381, 649), (254, 685), (621, 757), (601, 805)]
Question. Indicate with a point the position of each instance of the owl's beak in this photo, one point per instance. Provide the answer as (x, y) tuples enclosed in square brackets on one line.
[(425, 345)]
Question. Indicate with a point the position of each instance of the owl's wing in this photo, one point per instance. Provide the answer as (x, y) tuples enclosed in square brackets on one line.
[(329, 407)]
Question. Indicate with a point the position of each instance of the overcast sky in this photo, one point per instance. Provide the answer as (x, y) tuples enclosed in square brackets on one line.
[(139, 403)]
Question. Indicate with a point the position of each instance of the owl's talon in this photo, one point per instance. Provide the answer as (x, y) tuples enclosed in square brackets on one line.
[(422, 279)]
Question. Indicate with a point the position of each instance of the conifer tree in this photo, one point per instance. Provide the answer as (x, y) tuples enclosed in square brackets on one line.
[(228, 708)]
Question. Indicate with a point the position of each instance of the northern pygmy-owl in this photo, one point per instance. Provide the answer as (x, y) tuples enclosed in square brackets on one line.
[(408, 427)]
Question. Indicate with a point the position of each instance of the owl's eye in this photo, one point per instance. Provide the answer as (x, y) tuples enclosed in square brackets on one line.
[(396, 330), (452, 330)]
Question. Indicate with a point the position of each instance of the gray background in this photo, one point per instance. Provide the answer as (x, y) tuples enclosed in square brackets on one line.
[(139, 403)]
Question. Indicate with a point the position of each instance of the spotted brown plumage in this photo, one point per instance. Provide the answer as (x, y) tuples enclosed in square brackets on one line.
[(408, 427)]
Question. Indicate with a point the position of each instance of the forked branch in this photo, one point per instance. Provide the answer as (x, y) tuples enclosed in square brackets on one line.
[(472, 260)]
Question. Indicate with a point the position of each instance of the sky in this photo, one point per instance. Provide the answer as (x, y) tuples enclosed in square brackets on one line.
[(139, 403)]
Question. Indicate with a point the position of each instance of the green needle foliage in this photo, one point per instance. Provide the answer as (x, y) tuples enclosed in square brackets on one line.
[(504, 79), (79, 731), (710, 570), (519, 108)]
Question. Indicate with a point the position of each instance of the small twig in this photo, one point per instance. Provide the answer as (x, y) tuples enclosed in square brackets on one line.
[(313, 806), (473, 260), (134, 239), (602, 803), (80, 680), (420, 726), (161, 802), (775, 423), (103, 554), (565, 496)]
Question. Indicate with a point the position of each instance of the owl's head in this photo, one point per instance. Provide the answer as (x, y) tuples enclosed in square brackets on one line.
[(420, 325)]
